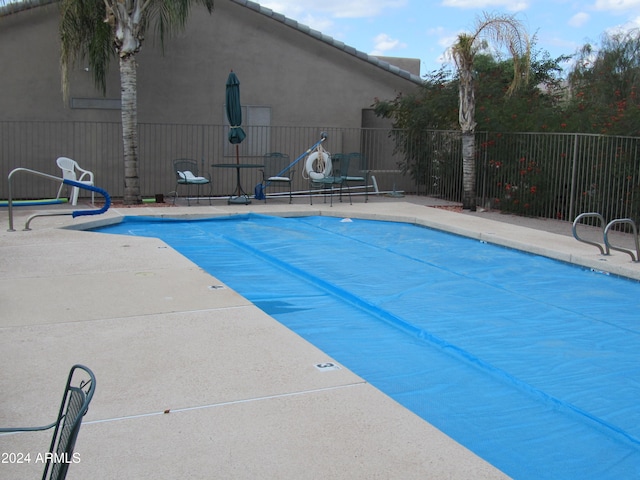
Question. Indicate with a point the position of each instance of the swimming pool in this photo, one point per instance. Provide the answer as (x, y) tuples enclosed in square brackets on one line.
[(531, 363)]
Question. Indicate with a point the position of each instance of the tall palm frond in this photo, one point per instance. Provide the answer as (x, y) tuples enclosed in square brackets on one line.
[(506, 31), (499, 32), (85, 36)]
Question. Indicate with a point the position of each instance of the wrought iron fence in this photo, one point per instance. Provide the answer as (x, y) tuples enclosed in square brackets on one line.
[(433, 162), (560, 175), (97, 146), (535, 174)]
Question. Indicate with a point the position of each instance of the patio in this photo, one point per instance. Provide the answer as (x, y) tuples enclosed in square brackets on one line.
[(195, 381)]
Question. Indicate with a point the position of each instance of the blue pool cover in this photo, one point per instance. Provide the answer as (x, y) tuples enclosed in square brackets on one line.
[(531, 363)]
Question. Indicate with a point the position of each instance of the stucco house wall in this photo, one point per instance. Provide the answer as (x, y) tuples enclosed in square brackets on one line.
[(298, 76)]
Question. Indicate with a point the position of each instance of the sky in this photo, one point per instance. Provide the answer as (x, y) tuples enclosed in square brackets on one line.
[(425, 29)]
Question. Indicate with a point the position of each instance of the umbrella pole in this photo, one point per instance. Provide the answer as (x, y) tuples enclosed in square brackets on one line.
[(238, 163)]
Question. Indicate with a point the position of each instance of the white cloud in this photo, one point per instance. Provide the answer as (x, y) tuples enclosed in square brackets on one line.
[(334, 8), (446, 41), (616, 5), (511, 5), (579, 19), (625, 27), (383, 44), (441, 47), (320, 23)]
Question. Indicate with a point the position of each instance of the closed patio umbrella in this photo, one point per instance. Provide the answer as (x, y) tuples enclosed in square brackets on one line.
[(234, 112), (236, 133)]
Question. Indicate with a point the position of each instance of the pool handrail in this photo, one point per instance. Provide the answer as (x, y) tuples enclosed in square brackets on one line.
[(625, 221), (603, 251), (74, 214)]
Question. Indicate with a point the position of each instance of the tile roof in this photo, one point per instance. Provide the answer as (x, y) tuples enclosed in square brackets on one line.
[(12, 7), (329, 40), (8, 7)]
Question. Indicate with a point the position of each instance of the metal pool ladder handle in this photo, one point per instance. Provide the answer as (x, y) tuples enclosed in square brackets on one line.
[(603, 251), (75, 213), (627, 221), (605, 234)]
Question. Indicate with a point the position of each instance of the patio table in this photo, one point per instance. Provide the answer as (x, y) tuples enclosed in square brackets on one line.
[(241, 196)]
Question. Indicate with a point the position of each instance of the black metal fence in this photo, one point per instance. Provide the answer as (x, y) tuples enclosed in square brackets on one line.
[(97, 146), (535, 174)]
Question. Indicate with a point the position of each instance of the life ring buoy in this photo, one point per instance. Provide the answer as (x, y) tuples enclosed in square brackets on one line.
[(310, 166)]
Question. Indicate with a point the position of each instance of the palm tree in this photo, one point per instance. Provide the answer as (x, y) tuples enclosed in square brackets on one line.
[(96, 30), (505, 31)]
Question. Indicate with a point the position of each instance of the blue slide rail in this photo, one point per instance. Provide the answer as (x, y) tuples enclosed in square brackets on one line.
[(74, 214), (107, 199)]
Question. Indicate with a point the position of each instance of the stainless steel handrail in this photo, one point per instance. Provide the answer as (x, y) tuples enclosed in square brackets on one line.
[(75, 213), (621, 221), (603, 251)]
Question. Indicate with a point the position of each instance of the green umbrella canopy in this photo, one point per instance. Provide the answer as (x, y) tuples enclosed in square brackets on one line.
[(234, 110)]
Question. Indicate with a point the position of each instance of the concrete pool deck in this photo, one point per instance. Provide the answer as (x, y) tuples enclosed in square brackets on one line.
[(244, 395)]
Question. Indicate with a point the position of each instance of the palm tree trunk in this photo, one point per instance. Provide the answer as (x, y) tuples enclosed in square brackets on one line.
[(466, 118), (128, 81), (469, 171)]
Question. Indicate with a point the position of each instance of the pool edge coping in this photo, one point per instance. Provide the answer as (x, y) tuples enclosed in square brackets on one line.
[(564, 249)]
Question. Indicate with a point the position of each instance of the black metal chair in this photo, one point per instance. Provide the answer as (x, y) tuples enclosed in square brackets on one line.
[(186, 171), (78, 392), (276, 172), (358, 163), (340, 167)]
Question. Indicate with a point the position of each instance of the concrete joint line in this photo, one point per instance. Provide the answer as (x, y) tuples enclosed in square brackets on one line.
[(223, 404)]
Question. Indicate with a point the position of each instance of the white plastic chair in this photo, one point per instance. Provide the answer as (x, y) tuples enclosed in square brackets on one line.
[(69, 168)]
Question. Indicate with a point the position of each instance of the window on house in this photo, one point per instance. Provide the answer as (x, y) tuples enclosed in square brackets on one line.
[(256, 121)]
